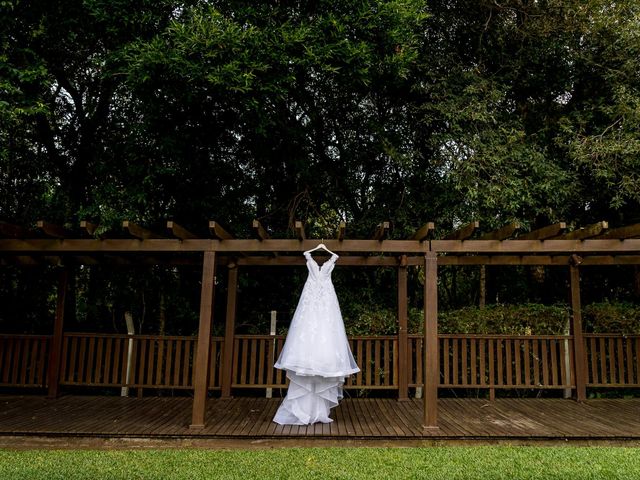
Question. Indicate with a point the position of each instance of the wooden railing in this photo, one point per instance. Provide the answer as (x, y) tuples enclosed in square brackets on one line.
[(466, 361), (498, 361), (254, 356), (377, 359), (23, 360), (253, 359), (156, 361), (612, 360)]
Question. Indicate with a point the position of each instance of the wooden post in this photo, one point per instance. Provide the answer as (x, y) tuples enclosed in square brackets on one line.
[(55, 350), (578, 340), (227, 362), (483, 286), (201, 367), (403, 337), (431, 370)]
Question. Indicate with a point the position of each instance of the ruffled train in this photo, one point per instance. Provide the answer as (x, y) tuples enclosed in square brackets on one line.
[(309, 399)]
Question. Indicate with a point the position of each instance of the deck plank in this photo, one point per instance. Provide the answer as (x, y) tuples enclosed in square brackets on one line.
[(354, 417)]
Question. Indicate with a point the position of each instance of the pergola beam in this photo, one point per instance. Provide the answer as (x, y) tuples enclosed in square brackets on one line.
[(589, 260), (139, 232), (341, 231), (260, 232), (13, 231), (382, 230), (424, 232), (218, 232), (249, 246), (545, 232), (88, 229), (581, 233), (86, 260), (501, 233), (53, 230), (179, 231), (300, 233), (22, 260), (630, 231), (345, 260), (463, 232), (550, 246)]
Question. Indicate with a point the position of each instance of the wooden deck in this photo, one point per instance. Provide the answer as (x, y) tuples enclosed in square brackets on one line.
[(354, 418)]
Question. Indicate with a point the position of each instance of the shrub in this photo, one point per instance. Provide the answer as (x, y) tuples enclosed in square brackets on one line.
[(611, 318), (522, 319)]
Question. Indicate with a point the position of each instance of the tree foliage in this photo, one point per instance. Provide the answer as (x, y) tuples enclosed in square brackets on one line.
[(401, 110)]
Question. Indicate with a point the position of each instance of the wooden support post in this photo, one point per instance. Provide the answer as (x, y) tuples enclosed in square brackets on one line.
[(201, 366), (483, 286), (431, 370), (403, 337), (55, 350), (578, 340), (230, 326)]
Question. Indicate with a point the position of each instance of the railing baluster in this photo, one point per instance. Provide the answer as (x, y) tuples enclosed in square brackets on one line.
[(553, 349), (527, 362), (509, 361), (483, 378), (473, 360), (620, 360), (518, 363)]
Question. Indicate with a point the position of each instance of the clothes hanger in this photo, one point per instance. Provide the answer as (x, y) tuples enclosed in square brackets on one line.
[(321, 245)]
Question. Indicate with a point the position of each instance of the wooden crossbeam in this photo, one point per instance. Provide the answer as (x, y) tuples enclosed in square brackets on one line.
[(117, 259), (27, 260), (138, 231), (501, 233), (424, 232), (382, 230), (260, 232), (51, 260), (463, 232), (218, 232), (88, 229), (179, 231), (86, 260), (545, 232), (630, 231), (588, 231), (252, 246), (13, 231), (341, 230), (53, 230), (300, 231)]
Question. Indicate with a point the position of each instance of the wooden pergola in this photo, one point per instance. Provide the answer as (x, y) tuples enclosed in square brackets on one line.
[(554, 245)]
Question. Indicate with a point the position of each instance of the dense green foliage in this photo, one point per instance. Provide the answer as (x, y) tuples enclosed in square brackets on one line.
[(520, 319), (612, 318), (400, 110), (459, 463)]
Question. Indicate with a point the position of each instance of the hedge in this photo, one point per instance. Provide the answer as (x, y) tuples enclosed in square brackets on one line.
[(522, 319)]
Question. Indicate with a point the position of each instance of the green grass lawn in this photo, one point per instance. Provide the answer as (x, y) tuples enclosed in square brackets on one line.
[(482, 462)]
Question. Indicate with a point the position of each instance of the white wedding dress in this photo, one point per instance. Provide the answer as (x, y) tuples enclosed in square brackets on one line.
[(316, 353)]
